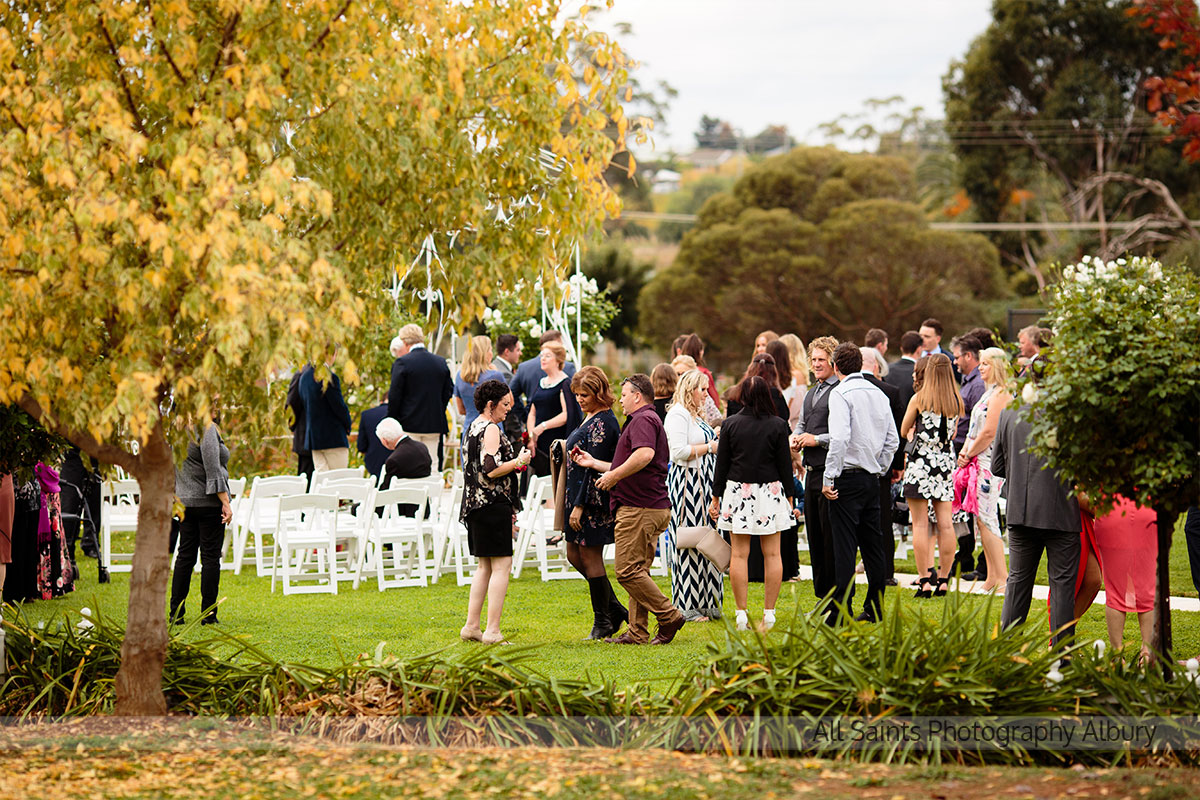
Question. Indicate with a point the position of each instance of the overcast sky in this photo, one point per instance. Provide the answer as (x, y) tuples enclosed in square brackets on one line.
[(793, 62)]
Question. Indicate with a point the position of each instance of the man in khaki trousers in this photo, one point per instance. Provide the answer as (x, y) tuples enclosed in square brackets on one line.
[(637, 481)]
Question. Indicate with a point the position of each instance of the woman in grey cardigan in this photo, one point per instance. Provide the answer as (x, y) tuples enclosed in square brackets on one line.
[(202, 484)]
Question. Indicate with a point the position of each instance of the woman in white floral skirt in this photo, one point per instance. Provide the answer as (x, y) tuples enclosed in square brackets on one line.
[(929, 423), (752, 491)]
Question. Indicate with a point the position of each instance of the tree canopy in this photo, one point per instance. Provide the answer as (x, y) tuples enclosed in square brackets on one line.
[(817, 242), (196, 194), (1047, 114)]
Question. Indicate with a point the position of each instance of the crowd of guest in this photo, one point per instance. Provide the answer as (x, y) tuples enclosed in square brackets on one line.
[(830, 438)]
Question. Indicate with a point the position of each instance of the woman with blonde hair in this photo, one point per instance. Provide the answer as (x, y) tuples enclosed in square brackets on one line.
[(762, 340), (476, 368), (976, 458), (795, 392), (696, 585), (929, 473), (711, 413)]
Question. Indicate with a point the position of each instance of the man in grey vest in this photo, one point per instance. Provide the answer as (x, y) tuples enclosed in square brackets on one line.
[(812, 435), (1042, 514)]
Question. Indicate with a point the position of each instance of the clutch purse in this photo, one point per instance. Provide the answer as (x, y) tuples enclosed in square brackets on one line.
[(707, 542)]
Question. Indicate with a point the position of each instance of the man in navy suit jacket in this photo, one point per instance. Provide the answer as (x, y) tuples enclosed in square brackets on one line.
[(373, 451), (327, 421), (421, 387)]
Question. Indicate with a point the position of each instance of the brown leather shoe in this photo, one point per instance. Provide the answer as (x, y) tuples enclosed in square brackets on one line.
[(667, 630), (624, 638)]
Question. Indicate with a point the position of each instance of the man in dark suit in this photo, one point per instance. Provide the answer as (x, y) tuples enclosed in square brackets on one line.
[(872, 363), (406, 458), (900, 373), (373, 451), (811, 436), (326, 421), (1042, 514), (304, 462), (421, 387)]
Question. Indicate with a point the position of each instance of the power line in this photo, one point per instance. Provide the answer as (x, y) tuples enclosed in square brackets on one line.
[(968, 227)]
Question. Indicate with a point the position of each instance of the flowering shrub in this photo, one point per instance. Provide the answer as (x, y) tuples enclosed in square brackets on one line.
[(1119, 408), (519, 312)]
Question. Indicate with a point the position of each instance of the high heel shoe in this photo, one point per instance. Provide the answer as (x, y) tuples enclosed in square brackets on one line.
[(925, 585), (941, 587), (471, 634)]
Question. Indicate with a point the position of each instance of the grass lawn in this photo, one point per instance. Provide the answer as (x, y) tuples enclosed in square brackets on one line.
[(325, 630), (198, 760)]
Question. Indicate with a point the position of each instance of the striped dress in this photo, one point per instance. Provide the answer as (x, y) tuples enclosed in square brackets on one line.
[(697, 587)]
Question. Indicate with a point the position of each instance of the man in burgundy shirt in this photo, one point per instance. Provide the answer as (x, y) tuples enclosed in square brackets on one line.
[(637, 481)]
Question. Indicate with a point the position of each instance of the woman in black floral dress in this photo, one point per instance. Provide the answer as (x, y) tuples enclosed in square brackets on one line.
[(489, 508), (591, 520), (930, 423)]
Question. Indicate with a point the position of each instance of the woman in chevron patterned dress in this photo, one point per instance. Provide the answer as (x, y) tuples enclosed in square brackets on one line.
[(697, 588)]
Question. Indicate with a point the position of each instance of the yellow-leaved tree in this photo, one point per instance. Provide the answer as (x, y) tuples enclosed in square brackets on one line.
[(195, 194)]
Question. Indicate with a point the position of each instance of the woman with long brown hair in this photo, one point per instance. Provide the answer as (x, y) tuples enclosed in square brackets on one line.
[(929, 472), (761, 366)]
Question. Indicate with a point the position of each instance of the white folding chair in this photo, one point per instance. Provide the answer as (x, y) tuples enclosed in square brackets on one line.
[(306, 525), (237, 491), (355, 506), (531, 526), (437, 505), (455, 556), (119, 500), (319, 478), (396, 538), (258, 515)]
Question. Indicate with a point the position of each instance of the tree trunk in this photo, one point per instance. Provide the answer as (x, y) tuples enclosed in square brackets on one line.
[(1161, 646), (144, 651)]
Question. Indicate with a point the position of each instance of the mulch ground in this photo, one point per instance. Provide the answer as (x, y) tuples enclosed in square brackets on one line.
[(173, 757)]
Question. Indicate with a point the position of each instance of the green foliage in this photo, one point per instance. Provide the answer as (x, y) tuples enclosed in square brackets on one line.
[(620, 277), (23, 443), (520, 312), (908, 665), (818, 242), (689, 200), (1119, 409)]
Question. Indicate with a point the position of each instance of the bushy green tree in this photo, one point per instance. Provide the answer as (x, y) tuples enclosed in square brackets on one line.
[(1118, 409), (816, 242)]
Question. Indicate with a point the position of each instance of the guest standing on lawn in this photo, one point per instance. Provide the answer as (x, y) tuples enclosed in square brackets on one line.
[(553, 412), (202, 484), (476, 368), (489, 508), (981, 436), (697, 587), (751, 494), (929, 471), (637, 480), (590, 520)]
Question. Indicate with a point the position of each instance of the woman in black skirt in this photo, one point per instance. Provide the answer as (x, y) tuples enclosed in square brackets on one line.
[(491, 498)]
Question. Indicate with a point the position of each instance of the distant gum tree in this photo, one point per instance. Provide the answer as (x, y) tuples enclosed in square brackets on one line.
[(194, 195)]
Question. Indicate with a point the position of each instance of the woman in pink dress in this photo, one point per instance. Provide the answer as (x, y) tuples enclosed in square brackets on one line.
[(1128, 547)]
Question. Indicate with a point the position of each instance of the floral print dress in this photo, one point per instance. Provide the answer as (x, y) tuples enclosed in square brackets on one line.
[(929, 473)]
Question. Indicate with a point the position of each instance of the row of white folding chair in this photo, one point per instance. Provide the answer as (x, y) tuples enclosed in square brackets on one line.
[(119, 500), (257, 517)]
